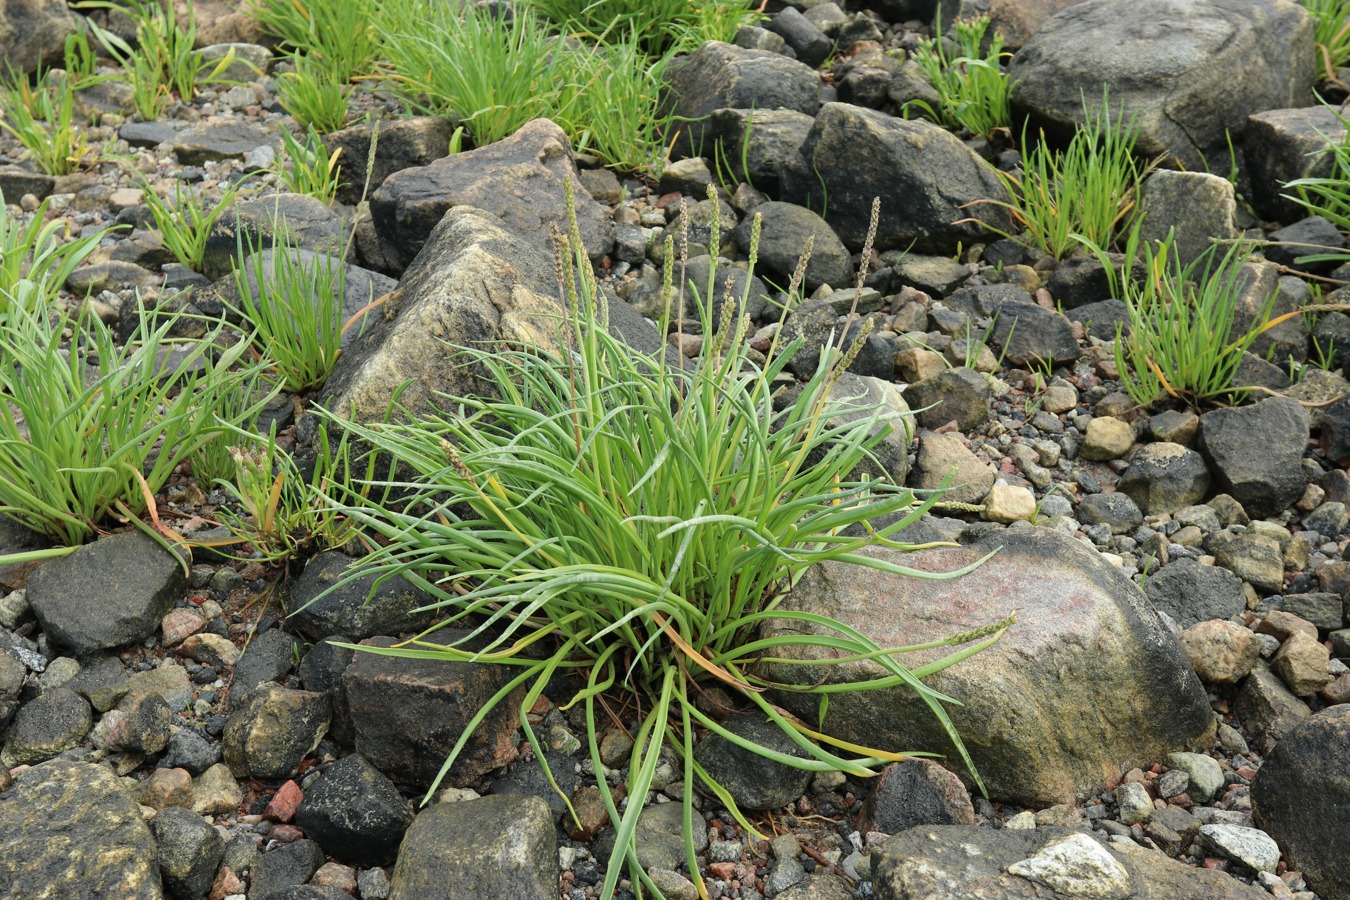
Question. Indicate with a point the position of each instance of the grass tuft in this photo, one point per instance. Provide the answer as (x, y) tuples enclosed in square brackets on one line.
[(626, 527), (973, 91), (96, 429)]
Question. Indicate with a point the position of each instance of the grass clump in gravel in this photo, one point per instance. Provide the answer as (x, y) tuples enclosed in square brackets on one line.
[(1180, 344), (41, 116), (625, 527), (95, 429), (1088, 190), (661, 26), (339, 38), (34, 260), (973, 90), (1331, 33)]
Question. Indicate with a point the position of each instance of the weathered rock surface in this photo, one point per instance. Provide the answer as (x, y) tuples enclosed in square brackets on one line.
[(923, 174), (723, 76), (355, 813), (499, 846), (475, 281), (107, 594), (1256, 451), (68, 831), (518, 179), (1087, 683), (405, 715), (958, 862), (357, 609), (1301, 797), (1191, 70)]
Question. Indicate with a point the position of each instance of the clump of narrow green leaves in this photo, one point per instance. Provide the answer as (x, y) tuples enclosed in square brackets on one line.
[(95, 429), (281, 513), (338, 37), (164, 60), (1180, 343), (494, 73), (663, 25), (313, 96), (306, 167), (1331, 33), (1328, 196), (42, 118), (973, 91), (632, 524), (34, 261), (1090, 188), (293, 302), (185, 225)]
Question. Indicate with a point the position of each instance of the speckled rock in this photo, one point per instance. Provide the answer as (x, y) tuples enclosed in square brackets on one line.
[(1163, 478), (353, 609), (69, 830), (1266, 707), (189, 852), (1221, 652), (499, 846), (1085, 685), (277, 729), (1301, 663)]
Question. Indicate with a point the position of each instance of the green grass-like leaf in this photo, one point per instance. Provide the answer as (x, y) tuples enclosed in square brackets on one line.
[(639, 522), (34, 261), (85, 433), (973, 91), (1090, 188)]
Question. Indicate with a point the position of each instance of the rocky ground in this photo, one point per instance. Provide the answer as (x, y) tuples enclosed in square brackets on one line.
[(172, 735)]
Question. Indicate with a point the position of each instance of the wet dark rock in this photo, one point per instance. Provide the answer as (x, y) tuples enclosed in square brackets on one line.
[(355, 813), (52, 723), (1302, 799), (189, 851), (753, 781), (211, 142), (916, 792), (961, 395), (784, 232), (357, 608), (405, 715), (277, 220), (268, 658), (798, 32), (285, 867), (1163, 478), (756, 143), (107, 594)]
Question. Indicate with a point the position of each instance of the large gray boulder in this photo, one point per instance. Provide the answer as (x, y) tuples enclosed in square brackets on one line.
[(475, 282), (70, 830), (33, 33), (960, 862), (756, 143), (1301, 797), (519, 179), (496, 846), (1192, 71), (1086, 684), (926, 179), (723, 76)]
